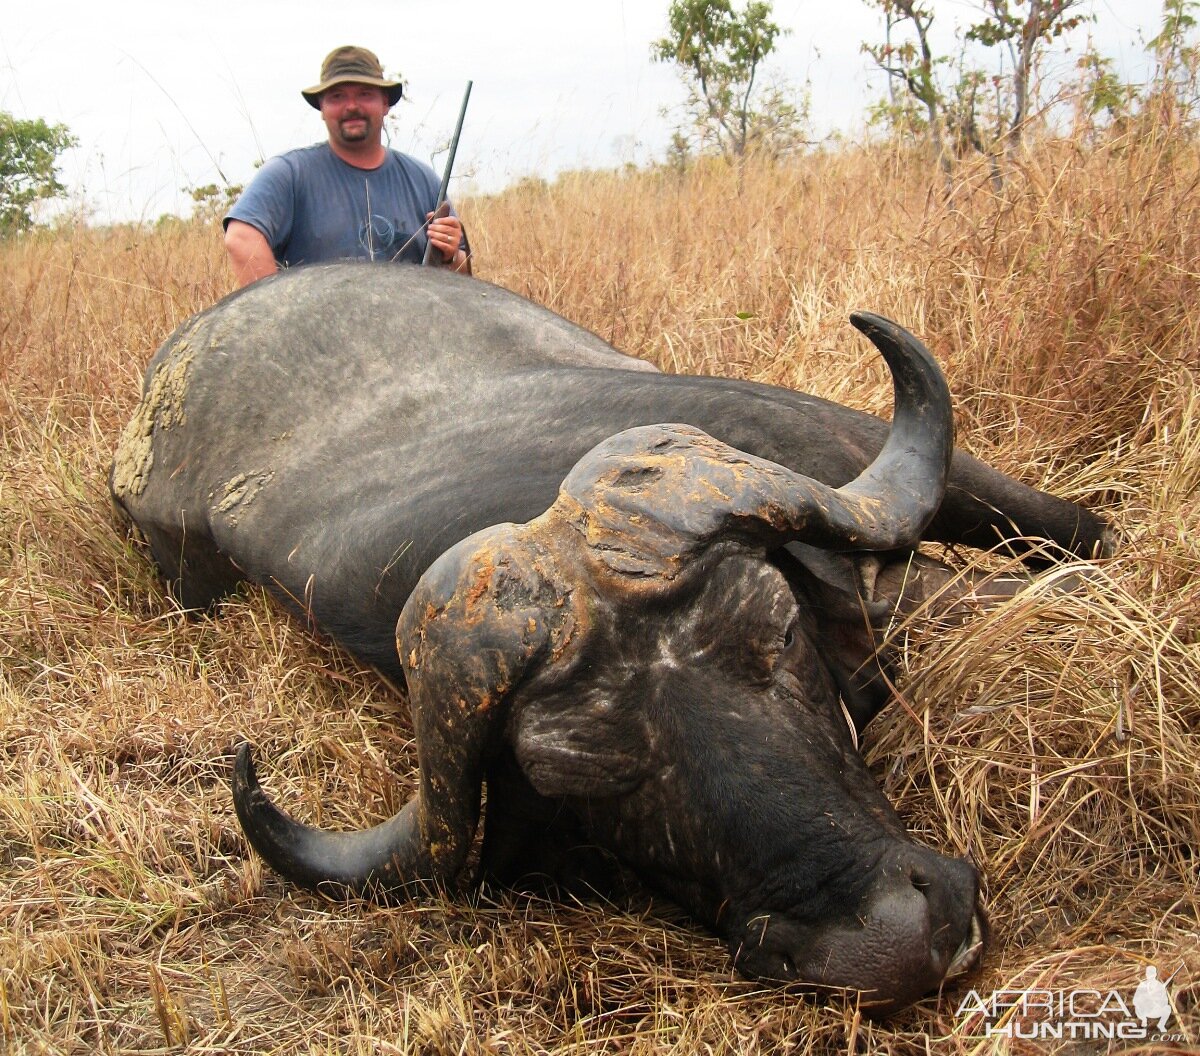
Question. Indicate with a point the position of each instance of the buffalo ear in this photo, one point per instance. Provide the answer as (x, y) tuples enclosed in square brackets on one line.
[(857, 599), (589, 751), (846, 623)]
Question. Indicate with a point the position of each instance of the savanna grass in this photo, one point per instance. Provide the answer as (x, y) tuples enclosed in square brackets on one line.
[(1053, 739)]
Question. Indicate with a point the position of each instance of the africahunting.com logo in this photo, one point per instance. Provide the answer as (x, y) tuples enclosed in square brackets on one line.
[(1081, 1014)]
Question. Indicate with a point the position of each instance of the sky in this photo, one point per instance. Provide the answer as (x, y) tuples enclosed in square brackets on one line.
[(165, 97)]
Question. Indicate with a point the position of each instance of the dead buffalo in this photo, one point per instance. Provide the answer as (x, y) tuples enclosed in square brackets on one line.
[(655, 639)]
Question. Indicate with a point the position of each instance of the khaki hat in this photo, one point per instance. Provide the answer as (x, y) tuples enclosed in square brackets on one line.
[(350, 65)]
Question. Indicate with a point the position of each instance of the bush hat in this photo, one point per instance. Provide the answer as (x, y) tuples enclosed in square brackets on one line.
[(351, 65)]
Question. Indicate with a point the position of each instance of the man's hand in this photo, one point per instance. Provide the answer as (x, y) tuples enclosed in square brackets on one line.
[(445, 233)]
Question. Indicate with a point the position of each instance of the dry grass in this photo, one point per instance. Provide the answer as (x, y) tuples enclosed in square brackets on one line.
[(1054, 740)]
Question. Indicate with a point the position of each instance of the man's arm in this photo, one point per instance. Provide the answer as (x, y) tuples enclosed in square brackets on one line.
[(249, 252)]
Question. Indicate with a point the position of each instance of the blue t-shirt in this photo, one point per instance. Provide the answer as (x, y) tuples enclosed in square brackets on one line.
[(311, 206)]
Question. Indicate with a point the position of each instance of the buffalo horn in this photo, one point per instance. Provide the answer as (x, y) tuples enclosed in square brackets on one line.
[(649, 499), (461, 650), (909, 475), (386, 856)]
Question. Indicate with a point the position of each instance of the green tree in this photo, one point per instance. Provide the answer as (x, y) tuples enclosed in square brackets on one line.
[(213, 200), (1170, 45), (1104, 100), (1023, 33), (911, 65), (29, 153), (1176, 88), (720, 52), (978, 110)]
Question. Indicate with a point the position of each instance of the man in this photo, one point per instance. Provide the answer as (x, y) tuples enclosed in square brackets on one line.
[(348, 197)]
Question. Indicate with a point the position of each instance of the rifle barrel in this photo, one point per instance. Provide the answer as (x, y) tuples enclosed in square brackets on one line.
[(441, 198)]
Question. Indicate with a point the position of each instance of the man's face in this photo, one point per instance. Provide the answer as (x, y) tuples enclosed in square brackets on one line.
[(354, 113)]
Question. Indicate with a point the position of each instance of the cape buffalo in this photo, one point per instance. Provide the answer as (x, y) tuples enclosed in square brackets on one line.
[(644, 608)]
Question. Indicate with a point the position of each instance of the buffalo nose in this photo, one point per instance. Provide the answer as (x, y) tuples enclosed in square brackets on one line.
[(917, 924), (956, 924)]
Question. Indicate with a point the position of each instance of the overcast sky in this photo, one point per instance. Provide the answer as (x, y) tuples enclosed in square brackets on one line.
[(168, 96)]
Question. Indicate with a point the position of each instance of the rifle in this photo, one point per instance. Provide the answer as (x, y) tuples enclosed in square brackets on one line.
[(441, 198)]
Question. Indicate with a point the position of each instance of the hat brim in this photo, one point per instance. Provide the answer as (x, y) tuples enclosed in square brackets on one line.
[(312, 96)]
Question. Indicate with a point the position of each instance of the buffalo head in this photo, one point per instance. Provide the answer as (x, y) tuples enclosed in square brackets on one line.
[(656, 654)]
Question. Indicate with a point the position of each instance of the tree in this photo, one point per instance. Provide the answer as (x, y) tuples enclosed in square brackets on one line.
[(1021, 26), (1104, 100), (911, 63), (213, 200), (720, 51), (1170, 45), (1022, 33), (1176, 89), (29, 153)]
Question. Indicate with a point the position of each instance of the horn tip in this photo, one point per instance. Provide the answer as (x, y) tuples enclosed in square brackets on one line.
[(245, 776), (868, 322)]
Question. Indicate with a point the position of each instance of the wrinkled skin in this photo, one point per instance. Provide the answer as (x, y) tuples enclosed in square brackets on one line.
[(645, 638)]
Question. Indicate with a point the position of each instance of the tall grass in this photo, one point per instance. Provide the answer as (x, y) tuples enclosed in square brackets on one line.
[(1054, 740)]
